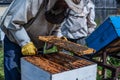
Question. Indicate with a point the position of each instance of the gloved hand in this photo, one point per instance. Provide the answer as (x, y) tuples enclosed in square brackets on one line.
[(29, 49), (49, 48)]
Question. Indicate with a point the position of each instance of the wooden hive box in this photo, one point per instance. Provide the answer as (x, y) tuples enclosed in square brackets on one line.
[(107, 35), (57, 66)]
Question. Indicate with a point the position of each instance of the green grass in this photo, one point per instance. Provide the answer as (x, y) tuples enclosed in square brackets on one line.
[(110, 61), (1, 64)]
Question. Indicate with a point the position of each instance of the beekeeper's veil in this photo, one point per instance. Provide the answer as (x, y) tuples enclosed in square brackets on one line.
[(77, 5)]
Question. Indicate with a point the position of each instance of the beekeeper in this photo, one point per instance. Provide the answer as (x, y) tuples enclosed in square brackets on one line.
[(79, 22), (22, 23)]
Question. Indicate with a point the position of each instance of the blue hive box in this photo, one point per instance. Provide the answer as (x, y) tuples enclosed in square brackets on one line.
[(106, 33)]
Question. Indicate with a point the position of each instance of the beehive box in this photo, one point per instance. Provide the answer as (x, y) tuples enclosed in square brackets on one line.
[(57, 66), (105, 34)]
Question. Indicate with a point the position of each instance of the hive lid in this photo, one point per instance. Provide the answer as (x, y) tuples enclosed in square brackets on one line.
[(112, 48)]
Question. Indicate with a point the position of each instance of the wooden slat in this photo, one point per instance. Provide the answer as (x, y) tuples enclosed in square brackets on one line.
[(67, 45)]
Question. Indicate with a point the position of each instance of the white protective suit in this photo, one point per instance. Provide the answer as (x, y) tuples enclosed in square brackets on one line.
[(80, 21), (19, 13)]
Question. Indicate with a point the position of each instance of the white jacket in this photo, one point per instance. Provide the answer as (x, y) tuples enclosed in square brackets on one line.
[(19, 13), (80, 21)]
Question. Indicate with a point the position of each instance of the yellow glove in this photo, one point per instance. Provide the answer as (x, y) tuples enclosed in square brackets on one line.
[(29, 49)]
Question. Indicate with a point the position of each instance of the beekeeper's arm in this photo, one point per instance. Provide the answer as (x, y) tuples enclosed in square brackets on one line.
[(90, 18), (19, 14)]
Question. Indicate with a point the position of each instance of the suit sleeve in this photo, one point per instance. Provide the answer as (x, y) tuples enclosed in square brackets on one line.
[(19, 14), (90, 19)]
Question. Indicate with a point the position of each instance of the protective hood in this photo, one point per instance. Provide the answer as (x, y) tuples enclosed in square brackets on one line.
[(77, 5)]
